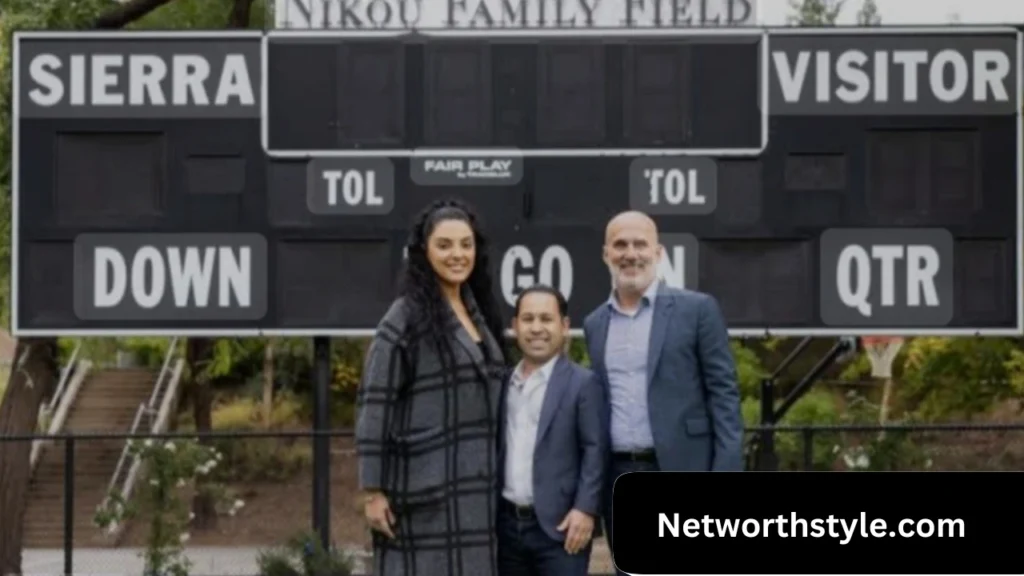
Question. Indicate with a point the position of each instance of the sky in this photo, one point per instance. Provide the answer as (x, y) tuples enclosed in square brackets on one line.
[(774, 12)]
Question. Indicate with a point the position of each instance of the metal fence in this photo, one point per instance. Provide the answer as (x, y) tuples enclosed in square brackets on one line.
[(259, 488)]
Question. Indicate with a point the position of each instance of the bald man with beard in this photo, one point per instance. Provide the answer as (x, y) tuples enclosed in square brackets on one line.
[(663, 357)]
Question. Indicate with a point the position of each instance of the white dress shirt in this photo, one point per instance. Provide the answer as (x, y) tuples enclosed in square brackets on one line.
[(522, 417)]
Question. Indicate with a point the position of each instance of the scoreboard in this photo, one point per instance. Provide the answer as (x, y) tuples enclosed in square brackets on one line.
[(816, 181)]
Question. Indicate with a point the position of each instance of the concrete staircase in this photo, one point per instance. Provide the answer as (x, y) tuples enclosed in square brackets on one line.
[(107, 401)]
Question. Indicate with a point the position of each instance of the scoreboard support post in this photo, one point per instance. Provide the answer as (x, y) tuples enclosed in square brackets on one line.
[(767, 460), (322, 439)]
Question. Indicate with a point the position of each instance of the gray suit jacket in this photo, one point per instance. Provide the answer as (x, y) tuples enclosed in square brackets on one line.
[(692, 390), (570, 458)]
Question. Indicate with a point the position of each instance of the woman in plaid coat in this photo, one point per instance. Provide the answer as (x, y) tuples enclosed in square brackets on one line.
[(428, 407)]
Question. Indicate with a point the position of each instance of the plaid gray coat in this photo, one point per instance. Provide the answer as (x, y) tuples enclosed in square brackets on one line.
[(427, 439)]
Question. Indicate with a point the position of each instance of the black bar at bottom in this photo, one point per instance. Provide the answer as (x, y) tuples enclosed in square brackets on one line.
[(966, 528)]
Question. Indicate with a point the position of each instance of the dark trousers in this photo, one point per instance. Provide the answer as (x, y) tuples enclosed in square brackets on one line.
[(618, 468), (524, 549)]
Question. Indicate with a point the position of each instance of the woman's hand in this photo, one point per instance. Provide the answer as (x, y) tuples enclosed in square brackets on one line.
[(378, 513)]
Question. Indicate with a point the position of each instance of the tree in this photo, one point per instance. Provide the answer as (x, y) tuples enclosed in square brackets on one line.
[(32, 378), (35, 360), (959, 378), (868, 14), (816, 12)]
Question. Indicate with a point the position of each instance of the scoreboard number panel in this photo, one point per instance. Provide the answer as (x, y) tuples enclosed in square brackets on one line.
[(837, 181), (547, 93)]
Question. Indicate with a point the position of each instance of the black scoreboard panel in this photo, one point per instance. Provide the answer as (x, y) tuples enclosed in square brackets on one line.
[(582, 94), (96, 162), (767, 232)]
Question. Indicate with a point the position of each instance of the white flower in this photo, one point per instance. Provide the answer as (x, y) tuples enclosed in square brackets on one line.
[(191, 516), (857, 459), (210, 465), (232, 512), (238, 504), (218, 456), (154, 482), (148, 442), (184, 537), (170, 446), (181, 483)]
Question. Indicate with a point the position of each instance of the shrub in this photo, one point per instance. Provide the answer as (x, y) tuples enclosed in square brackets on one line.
[(167, 468), (256, 459), (876, 451), (247, 413), (304, 555), (818, 407), (262, 459)]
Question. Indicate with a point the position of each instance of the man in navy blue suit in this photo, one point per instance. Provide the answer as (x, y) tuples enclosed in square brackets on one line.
[(665, 365), (553, 447)]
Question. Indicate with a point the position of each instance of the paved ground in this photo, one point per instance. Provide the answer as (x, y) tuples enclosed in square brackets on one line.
[(206, 561)]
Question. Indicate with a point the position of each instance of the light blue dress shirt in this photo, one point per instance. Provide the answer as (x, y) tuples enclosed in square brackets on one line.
[(629, 336)]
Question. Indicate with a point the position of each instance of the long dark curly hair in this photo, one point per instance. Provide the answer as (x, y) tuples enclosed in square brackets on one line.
[(421, 289)]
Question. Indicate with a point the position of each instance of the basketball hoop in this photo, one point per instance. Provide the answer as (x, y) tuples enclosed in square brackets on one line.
[(882, 351)]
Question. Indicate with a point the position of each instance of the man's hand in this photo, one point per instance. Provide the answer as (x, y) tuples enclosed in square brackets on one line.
[(578, 527), (378, 514)]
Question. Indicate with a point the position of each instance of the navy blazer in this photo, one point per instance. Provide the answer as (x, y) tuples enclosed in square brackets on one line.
[(693, 395), (570, 458)]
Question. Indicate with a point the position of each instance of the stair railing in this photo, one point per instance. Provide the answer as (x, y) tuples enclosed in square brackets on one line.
[(65, 373), (56, 411), (154, 415)]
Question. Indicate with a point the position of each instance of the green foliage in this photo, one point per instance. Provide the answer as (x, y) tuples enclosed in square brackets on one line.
[(876, 452), (304, 555), (149, 352), (772, 343), (578, 351), (167, 469), (230, 354), (832, 450), (819, 407), (260, 459), (816, 12), (859, 368), (263, 459), (749, 369), (959, 378), (198, 15)]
